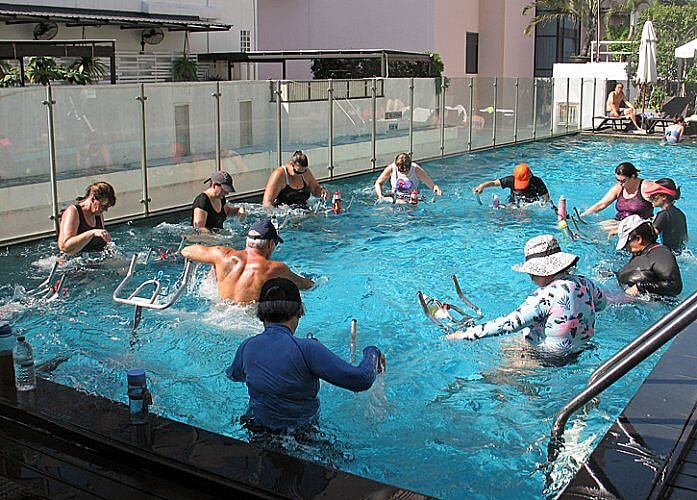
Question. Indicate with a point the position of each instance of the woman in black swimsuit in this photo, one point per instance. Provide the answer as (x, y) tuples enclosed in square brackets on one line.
[(82, 224), (210, 209), (292, 184)]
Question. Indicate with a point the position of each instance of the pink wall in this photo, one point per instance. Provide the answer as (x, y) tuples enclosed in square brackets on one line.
[(452, 20)]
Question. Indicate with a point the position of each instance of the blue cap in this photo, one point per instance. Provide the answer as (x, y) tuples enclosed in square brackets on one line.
[(136, 377), (5, 328), (264, 229)]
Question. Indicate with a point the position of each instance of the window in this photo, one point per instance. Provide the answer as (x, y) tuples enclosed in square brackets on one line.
[(245, 40), (472, 52), (555, 41)]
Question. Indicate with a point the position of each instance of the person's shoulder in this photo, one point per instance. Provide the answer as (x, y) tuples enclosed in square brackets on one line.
[(200, 199)]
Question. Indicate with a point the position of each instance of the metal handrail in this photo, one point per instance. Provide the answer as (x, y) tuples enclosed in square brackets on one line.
[(618, 366)]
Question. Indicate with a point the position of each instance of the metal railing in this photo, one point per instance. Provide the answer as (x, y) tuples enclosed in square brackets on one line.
[(621, 363), (607, 51), (158, 158)]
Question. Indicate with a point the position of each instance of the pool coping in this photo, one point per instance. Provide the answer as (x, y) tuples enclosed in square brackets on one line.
[(177, 451), (640, 452)]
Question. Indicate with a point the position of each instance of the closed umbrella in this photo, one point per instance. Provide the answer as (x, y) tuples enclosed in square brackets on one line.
[(646, 71)]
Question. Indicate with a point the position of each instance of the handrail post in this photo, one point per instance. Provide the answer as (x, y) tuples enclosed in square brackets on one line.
[(568, 85), (515, 112), (471, 110), (373, 127), (442, 116), (145, 199), (49, 103), (411, 117), (217, 95), (279, 129), (330, 138), (534, 108), (496, 94), (580, 107)]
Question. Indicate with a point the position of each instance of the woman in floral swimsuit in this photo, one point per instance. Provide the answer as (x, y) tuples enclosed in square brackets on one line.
[(560, 315)]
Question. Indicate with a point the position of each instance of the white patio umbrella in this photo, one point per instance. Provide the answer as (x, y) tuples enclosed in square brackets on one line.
[(646, 71)]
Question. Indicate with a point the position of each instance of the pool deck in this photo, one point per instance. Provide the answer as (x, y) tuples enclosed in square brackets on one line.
[(651, 449), (57, 442)]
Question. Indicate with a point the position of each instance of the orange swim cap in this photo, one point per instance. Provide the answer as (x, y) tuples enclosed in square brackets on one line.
[(522, 175)]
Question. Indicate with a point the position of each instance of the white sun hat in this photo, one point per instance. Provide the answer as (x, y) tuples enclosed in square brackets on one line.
[(626, 226), (543, 257)]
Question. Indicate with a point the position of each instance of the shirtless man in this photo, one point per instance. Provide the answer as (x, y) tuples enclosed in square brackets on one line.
[(614, 102), (241, 273)]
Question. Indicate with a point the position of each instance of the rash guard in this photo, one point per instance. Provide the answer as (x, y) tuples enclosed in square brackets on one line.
[(652, 270), (282, 375)]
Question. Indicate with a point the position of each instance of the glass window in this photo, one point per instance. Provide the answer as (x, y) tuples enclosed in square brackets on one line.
[(555, 41), (472, 53), (245, 40)]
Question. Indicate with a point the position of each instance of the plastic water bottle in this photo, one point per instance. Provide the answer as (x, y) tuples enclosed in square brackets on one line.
[(336, 202), (561, 209), (25, 374), (7, 343), (495, 202), (138, 397), (414, 198)]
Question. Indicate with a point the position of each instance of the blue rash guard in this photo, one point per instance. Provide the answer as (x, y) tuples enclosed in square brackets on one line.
[(282, 375)]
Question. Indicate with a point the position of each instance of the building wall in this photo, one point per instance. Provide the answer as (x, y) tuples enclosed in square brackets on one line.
[(452, 21)]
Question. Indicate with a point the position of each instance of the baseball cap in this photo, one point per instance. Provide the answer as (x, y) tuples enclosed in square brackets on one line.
[(626, 226), (224, 179), (263, 229), (279, 289), (522, 175)]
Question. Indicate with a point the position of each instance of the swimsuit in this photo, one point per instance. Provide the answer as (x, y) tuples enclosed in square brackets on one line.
[(672, 135), (403, 184), (634, 205), (560, 315), (282, 374), (96, 244), (291, 196), (653, 270), (672, 228), (214, 220)]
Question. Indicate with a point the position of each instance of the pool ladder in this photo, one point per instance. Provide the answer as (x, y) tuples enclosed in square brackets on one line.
[(621, 363), (134, 299)]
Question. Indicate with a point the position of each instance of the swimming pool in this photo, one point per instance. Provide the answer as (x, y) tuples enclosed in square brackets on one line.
[(447, 419)]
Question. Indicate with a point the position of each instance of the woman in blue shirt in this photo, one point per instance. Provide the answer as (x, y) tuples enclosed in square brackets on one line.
[(282, 372)]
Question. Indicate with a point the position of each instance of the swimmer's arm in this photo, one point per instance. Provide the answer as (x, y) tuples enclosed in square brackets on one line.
[(200, 218), (604, 202), (300, 281), (236, 371), (273, 187), (205, 254), (426, 179), (315, 188), (384, 176), (487, 184), (69, 241), (238, 211), (527, 314), (330, 367)]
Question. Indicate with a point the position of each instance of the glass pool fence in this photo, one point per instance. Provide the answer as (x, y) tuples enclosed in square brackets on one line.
[(157, 143)]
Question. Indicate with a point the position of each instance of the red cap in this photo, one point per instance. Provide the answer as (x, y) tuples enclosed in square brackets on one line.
[(522, 176)]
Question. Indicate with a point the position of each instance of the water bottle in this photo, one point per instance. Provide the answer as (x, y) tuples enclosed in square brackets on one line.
[(414, 198), (138, 397), (561, 209), (495, 202), (25, 375), (336, 202), (7, 343)]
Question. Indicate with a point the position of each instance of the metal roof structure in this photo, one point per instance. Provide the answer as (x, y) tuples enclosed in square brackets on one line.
[(72, 17), (385, 55)]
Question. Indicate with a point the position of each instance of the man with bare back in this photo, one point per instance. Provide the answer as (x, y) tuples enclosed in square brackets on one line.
[(617, 105), (241, 273)]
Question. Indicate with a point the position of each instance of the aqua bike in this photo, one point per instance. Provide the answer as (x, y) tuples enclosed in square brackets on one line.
[(441, 313)]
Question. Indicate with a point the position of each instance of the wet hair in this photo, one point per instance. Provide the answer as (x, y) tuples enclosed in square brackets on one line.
[(402, 159), (279, 311), (670, 184), (679, 119), (299, 158), (646, 231), (257, 243), (627, 169), (102, 191)]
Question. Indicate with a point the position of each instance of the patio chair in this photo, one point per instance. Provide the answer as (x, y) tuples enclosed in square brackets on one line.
[(617, 123), (673, 106)]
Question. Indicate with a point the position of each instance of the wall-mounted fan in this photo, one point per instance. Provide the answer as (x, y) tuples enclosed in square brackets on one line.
[(151, 36), (45, 30)]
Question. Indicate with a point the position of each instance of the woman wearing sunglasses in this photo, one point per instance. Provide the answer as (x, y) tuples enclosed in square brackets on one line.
[(404, 177), (82, 223), (292, 184)]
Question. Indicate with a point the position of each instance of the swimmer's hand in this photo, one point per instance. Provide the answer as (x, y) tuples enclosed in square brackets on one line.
[(385, 199), (437, 190), (382, 363), (468, 334), (241, 213), (324, 194), (478, 189), (632, 290), (101, 233)]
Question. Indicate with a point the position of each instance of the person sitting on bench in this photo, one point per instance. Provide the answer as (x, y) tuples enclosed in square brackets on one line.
[(614, 105)]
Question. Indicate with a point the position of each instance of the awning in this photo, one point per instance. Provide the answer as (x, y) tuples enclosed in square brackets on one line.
[(687, 51), (23, 14)]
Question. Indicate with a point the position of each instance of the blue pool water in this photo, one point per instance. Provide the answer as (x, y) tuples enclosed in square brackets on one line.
[(450, 419)]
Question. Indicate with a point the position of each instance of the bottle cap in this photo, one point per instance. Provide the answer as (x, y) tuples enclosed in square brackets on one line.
[(5, 329), (136, 377)]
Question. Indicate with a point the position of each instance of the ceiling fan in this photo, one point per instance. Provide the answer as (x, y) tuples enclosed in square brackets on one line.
[(45, 30)]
